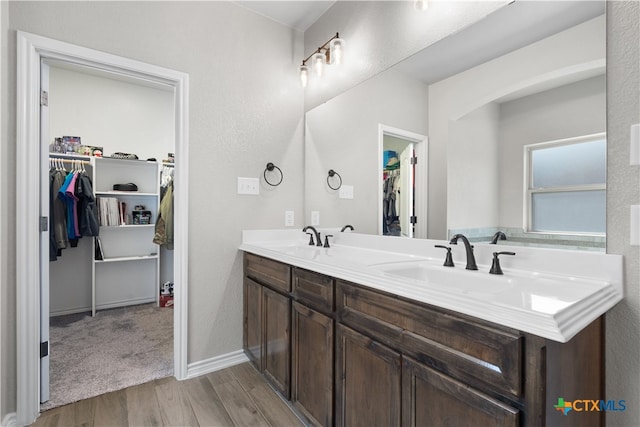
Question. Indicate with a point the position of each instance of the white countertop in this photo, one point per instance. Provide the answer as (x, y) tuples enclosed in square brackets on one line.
[(546, 292)]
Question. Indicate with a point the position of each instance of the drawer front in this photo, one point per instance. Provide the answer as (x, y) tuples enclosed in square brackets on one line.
[(268, 272), (473, 352), (313, 289)]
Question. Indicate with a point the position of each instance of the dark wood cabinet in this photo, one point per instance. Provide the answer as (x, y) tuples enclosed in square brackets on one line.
[(368, 378), (276, 354), (267, 319), (312, 364), (350, 355), (430, 398), (253, 335)]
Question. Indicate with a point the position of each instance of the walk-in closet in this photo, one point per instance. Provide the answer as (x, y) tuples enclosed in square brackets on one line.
[(111, 169), (398, 186)]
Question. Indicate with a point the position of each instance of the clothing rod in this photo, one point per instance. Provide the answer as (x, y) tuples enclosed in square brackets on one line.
[(72, 161)]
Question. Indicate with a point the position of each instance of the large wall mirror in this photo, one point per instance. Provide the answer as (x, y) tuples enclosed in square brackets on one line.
[(524, 84)]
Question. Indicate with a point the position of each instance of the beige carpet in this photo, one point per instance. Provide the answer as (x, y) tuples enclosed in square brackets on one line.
[(115, 349)]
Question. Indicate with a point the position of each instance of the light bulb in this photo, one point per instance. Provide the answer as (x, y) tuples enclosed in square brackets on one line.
[(304, 75), (421, 5), (337, 51), (318, 63)]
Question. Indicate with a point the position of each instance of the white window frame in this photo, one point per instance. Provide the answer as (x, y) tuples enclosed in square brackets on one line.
[(529, 191)]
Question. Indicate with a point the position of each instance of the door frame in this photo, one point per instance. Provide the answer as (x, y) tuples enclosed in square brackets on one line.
[(421, 176), (31, 49)]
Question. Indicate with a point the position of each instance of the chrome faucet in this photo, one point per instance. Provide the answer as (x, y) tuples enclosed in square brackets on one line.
[(498, 236), (315, 232), (471, 260)]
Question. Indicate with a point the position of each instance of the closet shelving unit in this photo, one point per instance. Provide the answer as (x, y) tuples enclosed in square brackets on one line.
[(129, 272)]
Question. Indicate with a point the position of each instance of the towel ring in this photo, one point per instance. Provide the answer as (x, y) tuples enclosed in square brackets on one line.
[(270, 167), (331, 174)]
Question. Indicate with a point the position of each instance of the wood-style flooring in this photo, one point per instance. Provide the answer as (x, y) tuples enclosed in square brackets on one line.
[(236, 396)]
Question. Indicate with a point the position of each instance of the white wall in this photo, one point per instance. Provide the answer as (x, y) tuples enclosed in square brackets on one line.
[(342, 134), (379, 34), (576, 109), (623, 182), (118, 115), (472, 154), (455, 96), (241, 117)]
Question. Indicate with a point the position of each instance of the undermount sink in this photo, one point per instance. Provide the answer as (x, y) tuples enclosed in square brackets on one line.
[(341, 254), (448, 278), (544, 293)]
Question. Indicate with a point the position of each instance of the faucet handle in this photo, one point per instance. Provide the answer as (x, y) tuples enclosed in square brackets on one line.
[(311, 242), (326, 240), (495, 266), (448, 262)]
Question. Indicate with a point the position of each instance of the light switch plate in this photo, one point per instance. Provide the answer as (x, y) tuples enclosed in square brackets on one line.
[(634, 149), (315, 218), (288, 218), (346, 192), (248, 186), (634, 225)]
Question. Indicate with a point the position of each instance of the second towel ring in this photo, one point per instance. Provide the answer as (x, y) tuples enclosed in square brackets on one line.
[(270, 167), (331, 174)]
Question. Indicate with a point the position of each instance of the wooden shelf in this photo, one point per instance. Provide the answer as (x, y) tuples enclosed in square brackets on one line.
[(124, 193), (127, 258)]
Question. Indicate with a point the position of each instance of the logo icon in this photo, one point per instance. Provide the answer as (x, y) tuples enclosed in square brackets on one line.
[(563, 406), (589, 405)]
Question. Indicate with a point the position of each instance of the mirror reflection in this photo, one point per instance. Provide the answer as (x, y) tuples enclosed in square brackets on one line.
[(472, 108)]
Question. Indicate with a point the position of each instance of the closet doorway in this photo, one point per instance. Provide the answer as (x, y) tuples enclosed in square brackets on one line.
[(32, 280), (403, 183), (107, 330)]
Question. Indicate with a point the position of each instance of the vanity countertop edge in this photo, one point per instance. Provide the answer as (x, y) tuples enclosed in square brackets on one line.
[(602, 288)]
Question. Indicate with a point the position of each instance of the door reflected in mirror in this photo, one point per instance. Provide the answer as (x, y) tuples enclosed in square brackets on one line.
[(398, 195)]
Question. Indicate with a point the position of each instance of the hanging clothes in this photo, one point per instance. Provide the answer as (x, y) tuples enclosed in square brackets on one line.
[(72, 209), (58, 212), (164, 225), (87, 208), (389, 198)]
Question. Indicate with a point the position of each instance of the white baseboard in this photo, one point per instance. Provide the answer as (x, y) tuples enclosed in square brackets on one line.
[(10, 420), (216, 363)]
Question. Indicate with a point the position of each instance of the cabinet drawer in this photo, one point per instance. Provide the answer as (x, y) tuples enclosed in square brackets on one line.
[(313, 289), (431, 398), (268, 272), (461, 347)]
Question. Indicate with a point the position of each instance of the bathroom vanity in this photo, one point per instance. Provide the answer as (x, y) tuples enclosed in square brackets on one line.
[(350, 338)]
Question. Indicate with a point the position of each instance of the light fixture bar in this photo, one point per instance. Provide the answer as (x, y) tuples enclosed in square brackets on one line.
[(332, 52)]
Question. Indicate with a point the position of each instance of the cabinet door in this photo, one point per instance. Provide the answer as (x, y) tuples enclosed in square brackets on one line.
[(252, 327), (430, 398), (277, 340), (368, 376), (312, 364)]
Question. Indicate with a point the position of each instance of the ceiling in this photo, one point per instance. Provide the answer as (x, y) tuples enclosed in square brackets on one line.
[(505, 30), (299, 15), (511, 27)]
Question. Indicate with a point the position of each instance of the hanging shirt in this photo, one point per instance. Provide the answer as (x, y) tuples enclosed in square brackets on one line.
[(87, 210), (59, 211)]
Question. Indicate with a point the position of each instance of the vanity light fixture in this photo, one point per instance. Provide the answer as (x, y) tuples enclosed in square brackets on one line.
[(332, 52)]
